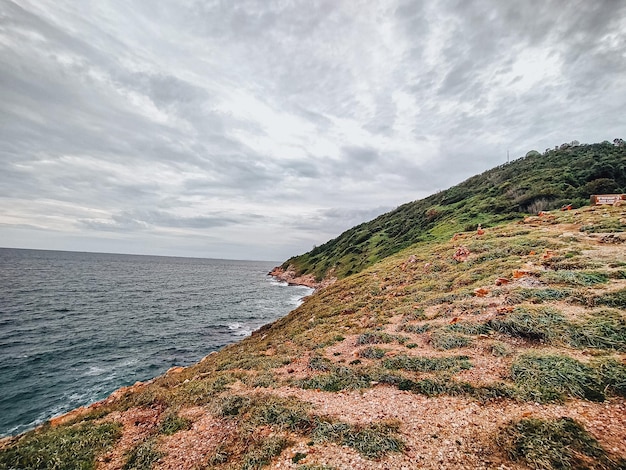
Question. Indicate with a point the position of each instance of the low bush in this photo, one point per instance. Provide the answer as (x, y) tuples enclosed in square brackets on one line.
[(374, 338), (418, 329), (372, 353)]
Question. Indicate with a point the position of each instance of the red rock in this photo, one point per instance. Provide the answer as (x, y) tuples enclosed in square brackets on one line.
[(461, 254), (480, 292)]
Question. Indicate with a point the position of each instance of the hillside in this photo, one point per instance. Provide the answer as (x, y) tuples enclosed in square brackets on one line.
[(502, 349), (537, 182)]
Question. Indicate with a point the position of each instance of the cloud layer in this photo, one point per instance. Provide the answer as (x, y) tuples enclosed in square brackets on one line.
[(256, 129)]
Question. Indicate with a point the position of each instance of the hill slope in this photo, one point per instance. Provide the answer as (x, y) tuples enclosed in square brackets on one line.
[(528, 185), (500, 350)]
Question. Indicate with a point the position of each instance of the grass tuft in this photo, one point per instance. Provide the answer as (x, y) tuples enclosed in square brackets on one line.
[(418, 329), (374, 338), (260, 410), (172, 423), (605, 330), (555, 444), (67, 448), (428, 364), (342, 378), (444, 340), (371, 441), (542, 325), (545, 378), (142, 456), (262, 453)]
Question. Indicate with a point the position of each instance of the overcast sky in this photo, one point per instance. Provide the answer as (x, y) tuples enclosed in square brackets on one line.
[(257, 129)]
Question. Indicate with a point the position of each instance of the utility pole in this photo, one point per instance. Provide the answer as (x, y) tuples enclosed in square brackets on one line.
[(507, 155)]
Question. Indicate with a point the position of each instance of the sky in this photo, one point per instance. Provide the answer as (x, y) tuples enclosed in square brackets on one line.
[(258, 129)]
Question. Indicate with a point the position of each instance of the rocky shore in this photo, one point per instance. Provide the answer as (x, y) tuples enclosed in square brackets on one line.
[(290, 276)]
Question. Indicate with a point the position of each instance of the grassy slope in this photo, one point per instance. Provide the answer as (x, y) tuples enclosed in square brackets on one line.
[(533, 368), (528, 185)]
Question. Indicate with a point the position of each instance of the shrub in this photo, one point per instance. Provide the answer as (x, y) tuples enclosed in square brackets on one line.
[(418, 329), (375, 338), (372, 353)]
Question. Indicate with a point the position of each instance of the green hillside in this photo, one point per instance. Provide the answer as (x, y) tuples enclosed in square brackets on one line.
[(536, 182)]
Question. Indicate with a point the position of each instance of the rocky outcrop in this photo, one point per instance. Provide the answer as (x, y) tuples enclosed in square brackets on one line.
[(291, 277)]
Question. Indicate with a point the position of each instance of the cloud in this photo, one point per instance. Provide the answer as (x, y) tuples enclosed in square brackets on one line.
[(257, 129)]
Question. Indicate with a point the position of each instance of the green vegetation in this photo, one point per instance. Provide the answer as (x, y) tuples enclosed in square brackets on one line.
[(143, 455), (172, 423), (444, 340), (545, 378), (375, 338), (555, 444), (262, 453), (538, 305), (372, 353), (428, 364), (340, 378), (371, 441), (537, 182), (61, 448)]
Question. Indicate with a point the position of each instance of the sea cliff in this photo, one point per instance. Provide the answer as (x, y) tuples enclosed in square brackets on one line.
[(503, 347)]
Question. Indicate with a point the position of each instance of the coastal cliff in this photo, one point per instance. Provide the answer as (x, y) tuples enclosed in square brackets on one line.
[(476, 340), (498, 348)]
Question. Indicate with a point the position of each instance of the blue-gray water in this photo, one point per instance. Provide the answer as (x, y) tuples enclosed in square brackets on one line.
[(76, 326)]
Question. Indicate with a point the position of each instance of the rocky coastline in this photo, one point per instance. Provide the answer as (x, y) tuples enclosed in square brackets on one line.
[(291, 277)]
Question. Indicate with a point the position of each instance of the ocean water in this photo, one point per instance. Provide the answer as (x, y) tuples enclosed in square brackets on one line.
[(76, 326)]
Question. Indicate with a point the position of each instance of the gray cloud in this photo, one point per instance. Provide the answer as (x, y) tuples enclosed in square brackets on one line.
[(257, 129)]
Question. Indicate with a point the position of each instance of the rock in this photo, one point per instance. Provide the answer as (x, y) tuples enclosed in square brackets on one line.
[(461, 254), (481, 292)]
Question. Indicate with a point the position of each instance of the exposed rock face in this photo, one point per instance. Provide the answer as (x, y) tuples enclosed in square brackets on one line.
[(290, 277)]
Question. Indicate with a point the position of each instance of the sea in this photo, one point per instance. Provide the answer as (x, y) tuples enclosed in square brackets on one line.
[(74, 327)]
